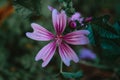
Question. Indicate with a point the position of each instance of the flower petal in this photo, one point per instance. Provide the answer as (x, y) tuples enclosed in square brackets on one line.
[(50, 8), (87, 54), (59, 21), (77, 37), (39, 33), (46, 53), (67, 54), (75, 16)]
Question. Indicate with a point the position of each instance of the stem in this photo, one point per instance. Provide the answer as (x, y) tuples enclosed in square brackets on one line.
[(61, 66)]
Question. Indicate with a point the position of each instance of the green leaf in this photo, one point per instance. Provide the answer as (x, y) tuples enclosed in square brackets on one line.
[(91, 35), (23, 11), (110, 50), (28, 7), (116, 26), (105, 18), (105, 39), (72, 75), (105, 33)]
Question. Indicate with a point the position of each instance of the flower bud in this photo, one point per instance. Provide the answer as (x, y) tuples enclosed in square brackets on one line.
[(88, 19), (73, 24)]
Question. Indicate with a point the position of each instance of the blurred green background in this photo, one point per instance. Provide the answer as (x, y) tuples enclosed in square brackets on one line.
[(17, 52)]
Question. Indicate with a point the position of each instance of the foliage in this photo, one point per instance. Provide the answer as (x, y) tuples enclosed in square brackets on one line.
[(105, 38), (72, 75)]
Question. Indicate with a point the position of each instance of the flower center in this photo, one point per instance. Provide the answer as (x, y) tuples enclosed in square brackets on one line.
[(58, 39), (59, 36)]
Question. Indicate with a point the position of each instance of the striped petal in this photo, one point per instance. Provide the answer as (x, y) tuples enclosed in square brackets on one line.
[(46, 53), (67, 54), (59, 21), (77, 37), (39, 33)]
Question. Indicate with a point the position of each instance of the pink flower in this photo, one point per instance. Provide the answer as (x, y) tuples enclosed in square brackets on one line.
[(58, 40), (87, 54), (75, 17)]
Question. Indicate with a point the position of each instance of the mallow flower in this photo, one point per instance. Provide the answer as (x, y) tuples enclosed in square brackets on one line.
[(87, 54), (58, 40), (75, 17)]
